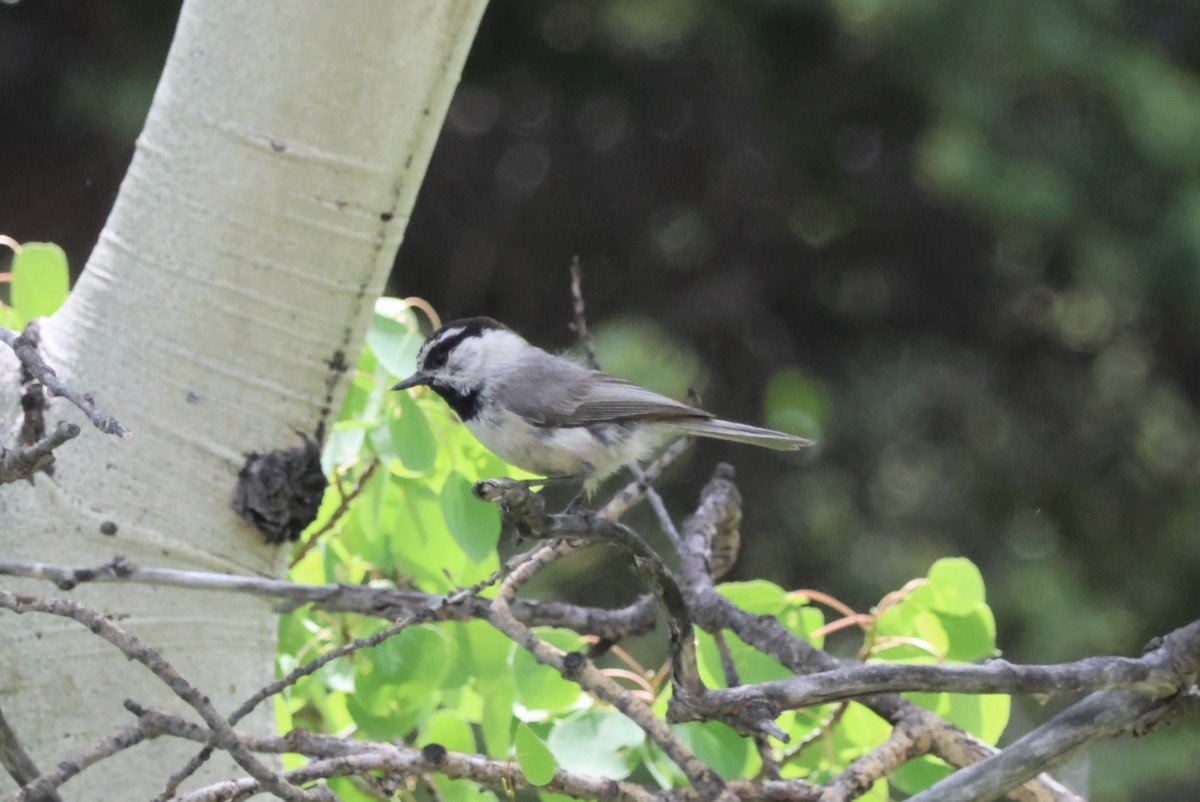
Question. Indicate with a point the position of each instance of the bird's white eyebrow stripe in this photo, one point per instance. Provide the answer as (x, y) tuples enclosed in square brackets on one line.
[(448, 334)]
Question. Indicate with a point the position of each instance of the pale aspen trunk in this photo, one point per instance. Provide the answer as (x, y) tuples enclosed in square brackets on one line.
[(255, 228)]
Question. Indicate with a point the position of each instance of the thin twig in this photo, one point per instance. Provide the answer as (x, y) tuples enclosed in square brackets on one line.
[(389, 603), (822, 729), (21, 463), (64, 770), (200, 758), (579, 669), (712, 611), (657, 504), (906, 742), (1097, 716), (343, 506), (133, 648), (25, 347), (1156, 674), (20, 765), (632, 493), (314, 665), (579, 326)]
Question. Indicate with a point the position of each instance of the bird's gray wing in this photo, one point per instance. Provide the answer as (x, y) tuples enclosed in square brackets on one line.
[(608, 398), (556, 392)]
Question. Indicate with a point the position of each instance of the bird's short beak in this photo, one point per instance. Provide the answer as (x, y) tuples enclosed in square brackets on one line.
[(415, 380)]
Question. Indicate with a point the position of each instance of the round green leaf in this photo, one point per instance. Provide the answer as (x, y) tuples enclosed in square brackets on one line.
[(499, 696), (917, 775), (985, 715), (474, 524), (802, 621), (910, 620), (597, 742), (39, 279), (412, 439), (449, 730), (421, 545), (757, 596), (722, 749), (995, 709), (410, 665), (957, 585), (485, 649), (366, 528), (541, 687), (394, 344), (972, 637), (347, 791), (535, 760), (862, 727), (752, 664)]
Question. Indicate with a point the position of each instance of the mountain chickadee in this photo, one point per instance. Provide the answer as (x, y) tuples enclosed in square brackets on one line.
[(550, 416)]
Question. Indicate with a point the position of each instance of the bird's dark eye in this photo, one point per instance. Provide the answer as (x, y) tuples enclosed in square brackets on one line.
[(435, 359)]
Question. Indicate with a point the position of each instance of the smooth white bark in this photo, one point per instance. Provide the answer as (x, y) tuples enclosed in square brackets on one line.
[(254, 230)]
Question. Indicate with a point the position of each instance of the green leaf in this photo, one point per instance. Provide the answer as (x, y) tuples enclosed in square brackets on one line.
[(718, 746), (398, 682), (474, 524), (40, 280), (795, 402), (377, 717), (9, 318), (484, 648), (757, 596), (909, 619), (957, 586), (416, 657), (345, 442), (497, 723), (395, 344), (862, 727), (972, 637), (597, 742), (361, 530), (347, 791), (420, 543), (752, 665), (917, 775), (338, 675), (535, 760), (449, 730), (461, 790), (802, 620), (412, 439), (985, 715), (996, 709), (382, 444), (541, 687)]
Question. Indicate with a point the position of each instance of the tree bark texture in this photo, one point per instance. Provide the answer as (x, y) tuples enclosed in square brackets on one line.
[(234, 279)]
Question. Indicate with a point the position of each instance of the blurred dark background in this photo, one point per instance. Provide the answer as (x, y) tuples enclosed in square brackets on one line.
[(957, 242)]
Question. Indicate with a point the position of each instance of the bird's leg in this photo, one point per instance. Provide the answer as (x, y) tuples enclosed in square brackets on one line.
[(543, 482)]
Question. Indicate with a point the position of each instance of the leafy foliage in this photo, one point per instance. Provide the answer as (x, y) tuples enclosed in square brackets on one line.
[(39, 284), (413, 523)]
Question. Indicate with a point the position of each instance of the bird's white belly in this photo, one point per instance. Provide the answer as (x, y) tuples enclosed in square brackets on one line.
[(589, 452)]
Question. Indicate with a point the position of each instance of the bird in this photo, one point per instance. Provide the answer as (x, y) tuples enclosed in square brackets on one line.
[(554, 417)]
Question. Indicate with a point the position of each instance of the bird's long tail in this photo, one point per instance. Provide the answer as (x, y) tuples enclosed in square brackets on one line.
[(742, 433)]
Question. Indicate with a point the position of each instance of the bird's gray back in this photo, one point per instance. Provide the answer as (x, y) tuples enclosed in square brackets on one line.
[(553, 391)]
